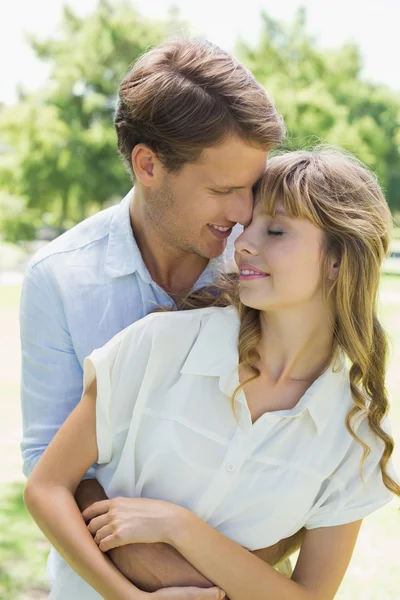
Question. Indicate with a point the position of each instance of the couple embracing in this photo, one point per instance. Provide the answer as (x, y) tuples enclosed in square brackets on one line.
[(187, 452)]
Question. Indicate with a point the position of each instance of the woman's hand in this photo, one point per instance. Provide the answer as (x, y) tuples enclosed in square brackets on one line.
[(188, 593), (122, 521)]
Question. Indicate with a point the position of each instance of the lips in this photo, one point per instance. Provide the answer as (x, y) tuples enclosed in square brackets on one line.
[(221, 233), (247, 272), (222, 228)]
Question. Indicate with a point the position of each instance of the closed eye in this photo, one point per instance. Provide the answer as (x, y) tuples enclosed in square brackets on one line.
[(219, 193), (272, 232)]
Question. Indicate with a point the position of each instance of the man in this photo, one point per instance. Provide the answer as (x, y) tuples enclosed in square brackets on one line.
[(194, 129)]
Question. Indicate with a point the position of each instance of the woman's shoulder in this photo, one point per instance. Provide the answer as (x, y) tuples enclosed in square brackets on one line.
[(179, 320), (338, 405), (363, 433), (172, 329)]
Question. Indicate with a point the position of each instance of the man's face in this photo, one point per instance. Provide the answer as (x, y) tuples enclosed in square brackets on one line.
[(194, 210)]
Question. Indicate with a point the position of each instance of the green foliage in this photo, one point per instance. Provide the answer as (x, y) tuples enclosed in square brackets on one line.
[(323, 97), (16, 221), (58, 148)]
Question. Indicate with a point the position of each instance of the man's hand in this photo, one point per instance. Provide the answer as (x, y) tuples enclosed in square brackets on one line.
[(152, 567), (189, 593)]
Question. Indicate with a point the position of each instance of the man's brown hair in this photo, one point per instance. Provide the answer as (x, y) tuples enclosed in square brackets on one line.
[(186, 95)]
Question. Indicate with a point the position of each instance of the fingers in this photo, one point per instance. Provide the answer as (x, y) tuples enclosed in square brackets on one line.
[(103, 533), (110, 542), (189, 593), (97, 523), (96, 509), (213, 593)]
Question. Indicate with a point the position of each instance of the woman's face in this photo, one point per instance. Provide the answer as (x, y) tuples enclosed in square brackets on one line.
[(279, 260)]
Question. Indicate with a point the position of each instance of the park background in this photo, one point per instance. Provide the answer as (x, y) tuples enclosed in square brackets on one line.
[(331, 68)]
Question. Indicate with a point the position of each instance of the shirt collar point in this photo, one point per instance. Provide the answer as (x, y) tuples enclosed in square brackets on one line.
[(214, 353), (123, 255)]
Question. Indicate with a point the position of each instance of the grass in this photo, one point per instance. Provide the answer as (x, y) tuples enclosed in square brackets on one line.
[(390, 280), (9, 297), (23, 549), (374, 572)]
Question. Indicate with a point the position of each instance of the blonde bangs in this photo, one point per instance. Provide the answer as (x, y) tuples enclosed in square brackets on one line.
[(286, 184)]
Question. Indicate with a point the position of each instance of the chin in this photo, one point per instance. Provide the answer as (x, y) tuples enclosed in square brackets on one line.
[(214, 251), (249, 300)]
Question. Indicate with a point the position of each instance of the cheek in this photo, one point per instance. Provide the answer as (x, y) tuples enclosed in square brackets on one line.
[(306, 273), (292, 265), (280, 256), (202, 209)]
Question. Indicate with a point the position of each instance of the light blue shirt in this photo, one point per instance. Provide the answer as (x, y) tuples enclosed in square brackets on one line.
[(79, 291)]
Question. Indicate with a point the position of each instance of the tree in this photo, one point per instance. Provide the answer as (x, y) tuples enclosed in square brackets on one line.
[(63, 156), (58, 147), (323, 97)]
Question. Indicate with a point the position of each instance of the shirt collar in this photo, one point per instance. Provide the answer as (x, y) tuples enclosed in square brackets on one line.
[(123, 254), (215, 354), (124, 257), (327, 396), (215, 348)]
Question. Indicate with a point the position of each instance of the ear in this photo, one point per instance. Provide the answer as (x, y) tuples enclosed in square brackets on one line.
[(333, 269), (146, 166)]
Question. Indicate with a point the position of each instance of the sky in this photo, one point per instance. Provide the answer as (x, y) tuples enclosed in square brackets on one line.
[(372, 25)]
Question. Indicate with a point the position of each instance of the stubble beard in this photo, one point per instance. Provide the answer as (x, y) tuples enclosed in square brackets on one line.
[(171, 231)]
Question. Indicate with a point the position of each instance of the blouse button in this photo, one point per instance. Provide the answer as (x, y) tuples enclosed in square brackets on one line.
[(230, 467)]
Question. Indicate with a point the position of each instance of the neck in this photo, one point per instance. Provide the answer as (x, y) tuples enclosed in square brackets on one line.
[(173, 269), (296, 344)]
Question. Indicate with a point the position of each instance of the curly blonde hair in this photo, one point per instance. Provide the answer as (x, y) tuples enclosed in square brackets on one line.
[(338, 194)]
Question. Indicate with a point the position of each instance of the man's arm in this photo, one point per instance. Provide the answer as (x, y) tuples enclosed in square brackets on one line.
[(149, 566), (51, 383), (156, 566)]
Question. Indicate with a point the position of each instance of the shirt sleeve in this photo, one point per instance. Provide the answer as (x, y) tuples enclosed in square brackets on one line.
[(100, 365), (51, 376), (120, 368), (351, 494)]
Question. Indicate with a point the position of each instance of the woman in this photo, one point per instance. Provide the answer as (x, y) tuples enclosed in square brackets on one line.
[(225, 429)]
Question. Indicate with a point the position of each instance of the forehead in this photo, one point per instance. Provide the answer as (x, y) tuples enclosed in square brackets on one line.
[(271, 205), (233, 163), (273, 200)]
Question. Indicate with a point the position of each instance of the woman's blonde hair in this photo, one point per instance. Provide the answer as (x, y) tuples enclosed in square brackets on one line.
[(333, 190)]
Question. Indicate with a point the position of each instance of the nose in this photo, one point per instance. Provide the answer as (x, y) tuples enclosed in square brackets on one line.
[(239, 208), (246, 244)]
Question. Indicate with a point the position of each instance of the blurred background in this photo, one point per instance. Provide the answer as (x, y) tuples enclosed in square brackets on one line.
[(332, 69)]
